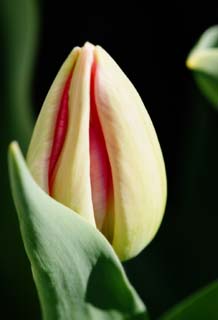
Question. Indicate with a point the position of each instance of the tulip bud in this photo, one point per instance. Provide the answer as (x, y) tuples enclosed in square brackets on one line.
[(94, 149), (203, 62)]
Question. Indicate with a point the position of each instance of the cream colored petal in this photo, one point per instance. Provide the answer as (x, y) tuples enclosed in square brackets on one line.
[(72, 185), (138, 171), (41, 143)]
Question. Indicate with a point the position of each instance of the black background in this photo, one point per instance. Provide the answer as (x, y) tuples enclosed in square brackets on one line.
[(151, 46)]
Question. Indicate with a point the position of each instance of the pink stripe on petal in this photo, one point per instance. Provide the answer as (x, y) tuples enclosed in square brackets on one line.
[(60, 132), (100, 170)]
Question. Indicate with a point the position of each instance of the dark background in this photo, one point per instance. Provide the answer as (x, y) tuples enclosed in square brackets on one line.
[(151, 46)]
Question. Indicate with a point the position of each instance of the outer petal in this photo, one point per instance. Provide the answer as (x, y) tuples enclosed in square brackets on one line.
[(41, 143), (137, 165), (72, 185)]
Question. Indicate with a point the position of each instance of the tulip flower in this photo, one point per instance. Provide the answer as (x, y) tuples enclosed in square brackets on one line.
[(95, 150)]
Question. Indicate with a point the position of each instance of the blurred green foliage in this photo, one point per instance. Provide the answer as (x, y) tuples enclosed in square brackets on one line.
[(18, 38), (199, 306)]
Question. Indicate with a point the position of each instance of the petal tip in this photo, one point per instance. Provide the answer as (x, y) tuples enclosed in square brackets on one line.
[(191, 62), (88, 45)]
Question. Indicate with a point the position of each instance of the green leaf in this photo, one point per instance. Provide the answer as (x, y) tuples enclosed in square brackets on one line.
[(77, 274), (203, 61), (202, 305)]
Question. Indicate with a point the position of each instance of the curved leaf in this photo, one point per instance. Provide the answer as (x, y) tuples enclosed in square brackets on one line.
[(203, 61), (77, 274), (202, 305)]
